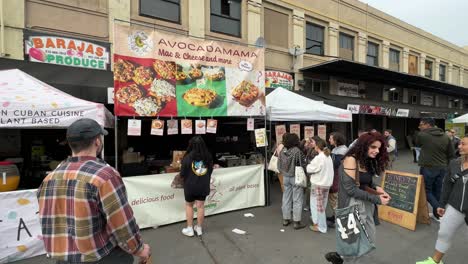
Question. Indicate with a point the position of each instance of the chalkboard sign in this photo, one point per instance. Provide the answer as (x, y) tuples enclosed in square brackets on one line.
[(408, 203), (402, 189)]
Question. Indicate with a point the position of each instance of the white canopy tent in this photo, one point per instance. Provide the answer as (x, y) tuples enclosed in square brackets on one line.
[(284, 105), (461, 119), (26, 102)]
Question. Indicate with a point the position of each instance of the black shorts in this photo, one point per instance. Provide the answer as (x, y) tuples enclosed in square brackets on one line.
[(189, 198)]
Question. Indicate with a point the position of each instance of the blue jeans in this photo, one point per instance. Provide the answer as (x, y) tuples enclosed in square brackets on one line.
[(293, 198), (433, 178)]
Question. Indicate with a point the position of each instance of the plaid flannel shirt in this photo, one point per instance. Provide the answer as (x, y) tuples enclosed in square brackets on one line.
[(84, 212)]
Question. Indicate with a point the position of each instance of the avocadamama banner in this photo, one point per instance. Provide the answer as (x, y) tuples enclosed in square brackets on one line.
[(160, 74)]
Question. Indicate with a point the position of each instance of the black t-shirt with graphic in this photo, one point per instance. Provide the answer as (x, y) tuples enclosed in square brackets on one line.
[(197, 176)]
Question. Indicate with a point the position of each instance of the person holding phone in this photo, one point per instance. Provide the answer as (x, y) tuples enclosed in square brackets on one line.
[(453, 203), (367, 158)]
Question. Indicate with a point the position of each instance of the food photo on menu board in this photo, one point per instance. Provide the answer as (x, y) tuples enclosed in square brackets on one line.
[(187, 126), (203, 96), (157, 127), (200, 127), (245, 92), (212, 126), (145, 87)]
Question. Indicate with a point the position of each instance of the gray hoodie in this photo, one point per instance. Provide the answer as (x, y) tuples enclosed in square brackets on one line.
[(340, 150)]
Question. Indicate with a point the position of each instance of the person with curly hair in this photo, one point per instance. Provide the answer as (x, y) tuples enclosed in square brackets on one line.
[(366, 159), (293, 196)]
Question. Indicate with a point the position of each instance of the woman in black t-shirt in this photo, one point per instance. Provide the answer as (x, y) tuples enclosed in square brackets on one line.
[(197, 166)]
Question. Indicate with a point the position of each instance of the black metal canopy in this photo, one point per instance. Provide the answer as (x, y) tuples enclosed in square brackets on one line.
[(360, 71)]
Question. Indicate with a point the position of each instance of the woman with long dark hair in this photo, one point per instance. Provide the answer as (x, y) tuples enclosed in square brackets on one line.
[(366, 159), (196, 169)]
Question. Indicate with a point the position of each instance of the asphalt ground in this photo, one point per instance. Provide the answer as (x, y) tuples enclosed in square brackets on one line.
[(264, 241)]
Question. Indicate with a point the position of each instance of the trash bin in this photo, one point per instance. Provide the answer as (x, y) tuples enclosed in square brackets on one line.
[(9, 176)]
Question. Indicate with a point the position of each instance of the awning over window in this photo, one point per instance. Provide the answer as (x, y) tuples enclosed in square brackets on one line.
[(359, 71)]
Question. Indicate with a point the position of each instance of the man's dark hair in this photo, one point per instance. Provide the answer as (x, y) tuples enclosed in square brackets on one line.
[(428, 120), (388, 130), (78, 146), (290, 140), (338, 138)]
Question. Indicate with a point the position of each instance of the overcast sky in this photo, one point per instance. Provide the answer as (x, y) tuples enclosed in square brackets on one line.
[(447, 19)]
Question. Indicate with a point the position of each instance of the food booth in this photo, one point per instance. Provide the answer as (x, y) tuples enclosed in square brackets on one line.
[(168, 88), (27, 104), (305, 117)]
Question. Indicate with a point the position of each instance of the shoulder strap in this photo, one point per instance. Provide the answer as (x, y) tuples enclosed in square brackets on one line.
[(356, 177)]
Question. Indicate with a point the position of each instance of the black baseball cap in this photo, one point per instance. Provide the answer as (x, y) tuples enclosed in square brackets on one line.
[(84, 129)]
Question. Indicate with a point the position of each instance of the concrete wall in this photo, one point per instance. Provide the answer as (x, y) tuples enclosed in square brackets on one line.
[(93, 19)]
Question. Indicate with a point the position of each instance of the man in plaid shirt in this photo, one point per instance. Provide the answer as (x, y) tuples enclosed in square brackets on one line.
[(83, 208)]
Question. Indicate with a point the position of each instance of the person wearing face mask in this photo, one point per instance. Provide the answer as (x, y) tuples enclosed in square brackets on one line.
[(86, 188), (453, 204), (367, 158)]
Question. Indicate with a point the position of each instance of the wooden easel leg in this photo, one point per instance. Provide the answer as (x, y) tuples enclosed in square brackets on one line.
[(423, 210)]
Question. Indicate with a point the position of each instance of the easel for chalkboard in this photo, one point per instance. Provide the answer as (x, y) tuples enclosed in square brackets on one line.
[(408, 204)]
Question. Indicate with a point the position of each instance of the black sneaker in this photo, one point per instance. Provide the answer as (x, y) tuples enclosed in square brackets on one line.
[(334, 258), (298, 225)]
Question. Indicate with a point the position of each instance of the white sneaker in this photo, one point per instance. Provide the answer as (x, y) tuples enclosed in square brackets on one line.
[(198, 230), (188, 231)]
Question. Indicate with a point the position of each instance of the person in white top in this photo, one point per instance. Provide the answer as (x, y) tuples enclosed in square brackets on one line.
[(321, 178)]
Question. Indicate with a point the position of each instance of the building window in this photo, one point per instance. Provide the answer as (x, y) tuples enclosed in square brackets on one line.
[(346, 46), (395, 96), (414, 99), (314, 85), (372, 54), (168, 10), (317, 87), (454, 103), (442, 73), (314, 39), (428, 69), (394, 60), (276, 27), (226, 17), (413, 64)]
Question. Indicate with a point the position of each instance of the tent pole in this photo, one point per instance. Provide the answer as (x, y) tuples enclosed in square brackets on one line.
[(267, 177), (116, 148)]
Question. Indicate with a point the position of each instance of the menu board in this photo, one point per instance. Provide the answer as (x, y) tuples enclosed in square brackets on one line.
[(160, 74), (402, 189), (408, 203)]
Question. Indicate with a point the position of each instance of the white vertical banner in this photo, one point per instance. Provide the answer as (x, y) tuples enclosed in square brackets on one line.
[(21, 235), (155, 203)]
